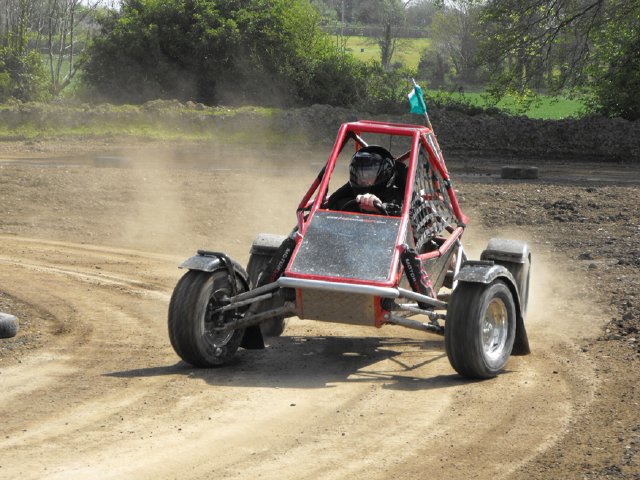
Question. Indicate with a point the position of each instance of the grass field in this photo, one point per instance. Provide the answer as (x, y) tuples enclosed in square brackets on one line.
[(408, 50), (544, 107)]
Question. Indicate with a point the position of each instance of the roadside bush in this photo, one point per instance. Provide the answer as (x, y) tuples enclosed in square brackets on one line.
[(434, 66), (263, 52), (387, 90), (22, 76), (615, 79), (336, 79)]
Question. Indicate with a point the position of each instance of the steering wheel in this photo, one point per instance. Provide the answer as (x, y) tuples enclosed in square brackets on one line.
[(380, 207)]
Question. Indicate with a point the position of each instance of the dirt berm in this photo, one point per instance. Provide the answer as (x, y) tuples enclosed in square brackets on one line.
[(460, 134)]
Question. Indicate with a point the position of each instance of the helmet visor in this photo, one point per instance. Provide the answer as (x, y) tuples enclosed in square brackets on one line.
[(366, 172)]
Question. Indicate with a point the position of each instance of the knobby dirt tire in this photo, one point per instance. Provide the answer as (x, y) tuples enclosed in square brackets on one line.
[(187, 308), (274, 327), (480, 328)]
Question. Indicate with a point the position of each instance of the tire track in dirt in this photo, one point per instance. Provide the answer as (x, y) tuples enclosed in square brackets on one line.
[(107, 397)]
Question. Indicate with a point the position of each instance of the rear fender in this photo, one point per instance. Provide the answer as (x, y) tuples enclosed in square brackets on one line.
[(487, 272), (514, 255), (506, 250), (267, 244)]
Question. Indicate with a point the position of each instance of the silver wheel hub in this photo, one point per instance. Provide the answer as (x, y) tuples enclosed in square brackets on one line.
[(495, 329)]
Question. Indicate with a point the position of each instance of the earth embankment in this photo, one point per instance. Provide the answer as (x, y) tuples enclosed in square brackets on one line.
[(484, 135)]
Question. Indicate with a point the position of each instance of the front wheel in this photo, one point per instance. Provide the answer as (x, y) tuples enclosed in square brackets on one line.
[(195, 296), (480, 328)]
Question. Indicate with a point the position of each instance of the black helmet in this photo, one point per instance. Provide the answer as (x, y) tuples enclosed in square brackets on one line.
[(371, 170)]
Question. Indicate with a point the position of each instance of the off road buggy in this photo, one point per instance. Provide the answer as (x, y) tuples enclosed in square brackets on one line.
[(346, 267)]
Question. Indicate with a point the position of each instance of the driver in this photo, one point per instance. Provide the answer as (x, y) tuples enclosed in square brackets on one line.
[(375, 179), (376, 185)]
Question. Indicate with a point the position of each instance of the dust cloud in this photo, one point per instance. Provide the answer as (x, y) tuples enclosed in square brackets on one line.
[(205, 198), (559, 303)]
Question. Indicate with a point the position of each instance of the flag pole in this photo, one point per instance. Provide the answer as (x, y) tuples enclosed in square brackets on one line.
[(426, 119), (427, 122)]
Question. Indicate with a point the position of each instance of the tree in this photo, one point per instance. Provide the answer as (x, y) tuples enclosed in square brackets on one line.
[(572, 43), (454, 35), (420, 14), (58, 27), (269, 52), (390, 17), (151, 50), (63, 23), (21, 73), (615, 71), (433, 67)]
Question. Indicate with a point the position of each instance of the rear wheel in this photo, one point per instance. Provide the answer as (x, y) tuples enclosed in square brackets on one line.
[(480, 328), (191, 334)]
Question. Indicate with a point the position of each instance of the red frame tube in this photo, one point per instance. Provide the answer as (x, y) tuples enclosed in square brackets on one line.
[(457, 233)]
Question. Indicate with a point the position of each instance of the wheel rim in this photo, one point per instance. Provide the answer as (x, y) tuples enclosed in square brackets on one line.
[(216, 339), (495, 329), (220, 339)]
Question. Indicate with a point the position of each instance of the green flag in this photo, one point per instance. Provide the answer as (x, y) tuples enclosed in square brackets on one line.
[(416, 100)]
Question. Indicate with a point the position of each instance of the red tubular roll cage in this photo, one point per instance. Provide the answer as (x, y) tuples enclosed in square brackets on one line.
[(421, 136)]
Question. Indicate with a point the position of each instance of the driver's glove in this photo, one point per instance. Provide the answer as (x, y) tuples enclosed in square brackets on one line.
[(367, 202)]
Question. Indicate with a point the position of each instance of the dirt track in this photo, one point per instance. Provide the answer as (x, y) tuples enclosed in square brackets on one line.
[(92, 389)]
